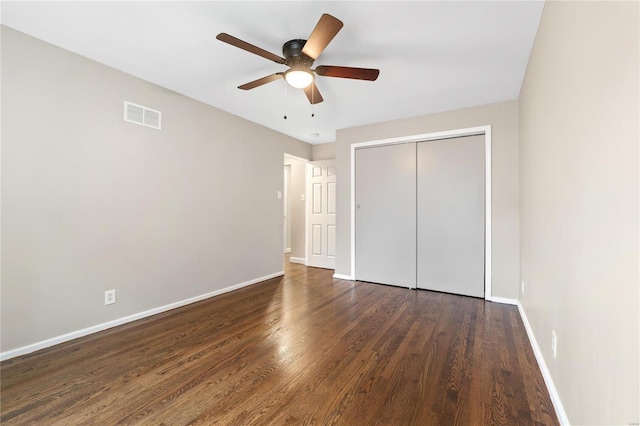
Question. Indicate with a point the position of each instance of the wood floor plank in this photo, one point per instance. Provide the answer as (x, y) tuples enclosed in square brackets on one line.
[(300, 349)]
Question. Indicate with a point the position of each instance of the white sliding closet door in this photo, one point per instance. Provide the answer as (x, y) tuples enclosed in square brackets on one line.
[(385, 180), (451, 208)]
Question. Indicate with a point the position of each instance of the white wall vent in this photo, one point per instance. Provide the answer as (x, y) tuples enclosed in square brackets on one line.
[(138, 114)]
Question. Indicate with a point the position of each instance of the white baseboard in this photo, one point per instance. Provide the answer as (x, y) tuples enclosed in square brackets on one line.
[(343, 277), (287, 251), (503, 300), (301, 260), (94, 329), (553, 392)]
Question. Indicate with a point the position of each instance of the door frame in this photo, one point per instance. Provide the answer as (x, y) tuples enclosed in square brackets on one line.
[(287, 219), (447, 134)]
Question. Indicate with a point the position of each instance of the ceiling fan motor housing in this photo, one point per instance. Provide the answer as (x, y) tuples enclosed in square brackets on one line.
[(294, 58)]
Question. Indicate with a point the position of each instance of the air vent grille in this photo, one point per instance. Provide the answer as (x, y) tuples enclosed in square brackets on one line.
[(138, 114)]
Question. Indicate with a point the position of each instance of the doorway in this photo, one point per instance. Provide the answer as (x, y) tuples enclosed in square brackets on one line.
[(294, 209)]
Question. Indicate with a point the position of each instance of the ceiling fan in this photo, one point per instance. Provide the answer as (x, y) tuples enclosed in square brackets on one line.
[(299, 56)]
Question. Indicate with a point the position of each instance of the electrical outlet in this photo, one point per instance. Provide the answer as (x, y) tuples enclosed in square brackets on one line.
[(554, 344), (109, 297), (522, 291)]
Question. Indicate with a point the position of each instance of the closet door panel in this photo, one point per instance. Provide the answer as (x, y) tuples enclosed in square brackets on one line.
[(385, 180), (450, 203)]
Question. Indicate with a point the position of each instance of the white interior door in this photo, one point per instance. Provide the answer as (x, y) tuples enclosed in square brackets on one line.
[(321, 223), (451, 205), (385, 180)]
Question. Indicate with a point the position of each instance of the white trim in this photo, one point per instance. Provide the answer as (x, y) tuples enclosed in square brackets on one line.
[(551, 388), (130, 318), (285, 211), (343, 277), (448, 134), (300, 260), (503, 300), (307, 210), (352, 202), (488, 289)]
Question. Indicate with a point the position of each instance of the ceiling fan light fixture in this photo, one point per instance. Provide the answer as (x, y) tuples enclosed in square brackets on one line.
[(298, 78)]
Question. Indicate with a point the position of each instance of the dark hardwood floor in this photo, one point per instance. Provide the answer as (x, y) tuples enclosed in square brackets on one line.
[(304, 349)]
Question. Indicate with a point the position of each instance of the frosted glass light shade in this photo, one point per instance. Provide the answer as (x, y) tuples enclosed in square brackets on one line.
[(298, 78)]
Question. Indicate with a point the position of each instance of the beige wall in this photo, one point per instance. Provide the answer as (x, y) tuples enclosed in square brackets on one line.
[(298, 211), (91, 203), (324, 151), (579, 200), (503, 117)]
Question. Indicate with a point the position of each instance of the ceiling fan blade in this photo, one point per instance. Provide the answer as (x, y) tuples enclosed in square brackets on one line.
[(259, 82), (313, 94), (325, 30), (249, 47), (348, 72)]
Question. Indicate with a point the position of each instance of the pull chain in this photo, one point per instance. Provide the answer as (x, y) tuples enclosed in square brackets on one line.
[(285, 100), (313, 92)]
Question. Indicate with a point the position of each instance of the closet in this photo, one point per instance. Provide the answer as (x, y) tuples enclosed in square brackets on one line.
[(420, 215)]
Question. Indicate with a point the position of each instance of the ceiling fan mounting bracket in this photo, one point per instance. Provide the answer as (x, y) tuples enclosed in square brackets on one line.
[(294, 58)]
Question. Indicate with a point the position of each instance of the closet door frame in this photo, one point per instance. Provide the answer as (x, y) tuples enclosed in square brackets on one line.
[(449, 134)]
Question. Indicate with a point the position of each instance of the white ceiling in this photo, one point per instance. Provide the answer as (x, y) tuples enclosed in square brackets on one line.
[(433, 56)]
